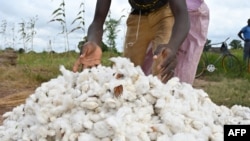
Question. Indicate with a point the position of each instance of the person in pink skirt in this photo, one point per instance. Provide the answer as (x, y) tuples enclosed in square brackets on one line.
[(189, 53)]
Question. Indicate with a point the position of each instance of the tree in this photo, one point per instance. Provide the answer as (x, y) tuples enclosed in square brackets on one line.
[(59, 15), (111, 31), (3, 31), (236, 44), (79, 19), (31, 30), (23, 34)]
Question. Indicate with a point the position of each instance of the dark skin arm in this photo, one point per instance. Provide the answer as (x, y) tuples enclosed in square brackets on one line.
[(240, 35), (166, 53), (91, 52), (95, 30)]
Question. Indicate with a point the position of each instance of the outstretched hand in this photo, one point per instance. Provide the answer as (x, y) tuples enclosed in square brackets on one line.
[(167, 62), (90, 56)]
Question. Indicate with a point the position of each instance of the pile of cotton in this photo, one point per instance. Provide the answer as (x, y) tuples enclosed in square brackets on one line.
[(118, 103)]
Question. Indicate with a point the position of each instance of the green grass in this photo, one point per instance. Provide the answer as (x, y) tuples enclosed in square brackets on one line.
[(42, 67), (225, 89)]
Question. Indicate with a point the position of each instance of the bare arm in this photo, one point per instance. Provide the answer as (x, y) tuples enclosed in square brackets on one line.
[(91, 53), (240, 35), (95, 30), (181, 25), (166, 54)]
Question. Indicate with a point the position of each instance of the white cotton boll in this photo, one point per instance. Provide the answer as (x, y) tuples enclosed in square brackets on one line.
[(203, 133), (153, 135), (42, 131), (123, 111), (62, 128), (121, 62), (163, 138), (241, 111), (31, 98), (42, 115), (82, 77), (101, 129), (18, 111), (160, 103), (77, 120), (106, 139), (129, 92), (111, 103), (183, 137), (143, 136), (84, 86), (81, 98), (142, 85), (69, 76), (173, 82), (119, 137), (90, 105), (145, 113), (106, 96), (95, 89), (159, 92), (174, 121), (28, 121), (101, 74), (217, 137), (150, 99), (96, 117), (161, 128), (75, 93), (73, 137), (87, 137), (197, 125), (30, 106), (8, 115), (88, 124), (113, 123), (92, 99), (55, 91), (154, 81), (66, 103)]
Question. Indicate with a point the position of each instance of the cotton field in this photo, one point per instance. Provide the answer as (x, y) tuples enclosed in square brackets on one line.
[(118, 103)]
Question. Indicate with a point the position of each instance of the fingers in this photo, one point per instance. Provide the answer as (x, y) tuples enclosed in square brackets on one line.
[(90, 56), (76, 65), (164, 77), (166, 65), (158, 50)]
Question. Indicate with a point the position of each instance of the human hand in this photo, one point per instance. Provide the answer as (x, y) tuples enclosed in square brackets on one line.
[(90, 56), (166, 60)]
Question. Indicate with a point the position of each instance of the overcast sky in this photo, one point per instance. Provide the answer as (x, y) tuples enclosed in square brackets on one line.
[(227, 17)]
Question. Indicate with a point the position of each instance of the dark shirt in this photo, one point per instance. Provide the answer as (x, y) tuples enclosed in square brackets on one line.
[(147, 4)]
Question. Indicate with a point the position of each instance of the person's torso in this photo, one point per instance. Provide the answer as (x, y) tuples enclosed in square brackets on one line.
[(147, 4), (246, 32)]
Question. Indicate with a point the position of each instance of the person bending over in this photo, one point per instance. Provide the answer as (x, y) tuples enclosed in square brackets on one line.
[(155, 31)]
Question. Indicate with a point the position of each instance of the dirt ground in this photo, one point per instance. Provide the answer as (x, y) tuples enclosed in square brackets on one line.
[(11, 97)]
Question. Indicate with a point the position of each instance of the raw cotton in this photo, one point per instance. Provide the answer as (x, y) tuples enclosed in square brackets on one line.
[(118, 103)]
